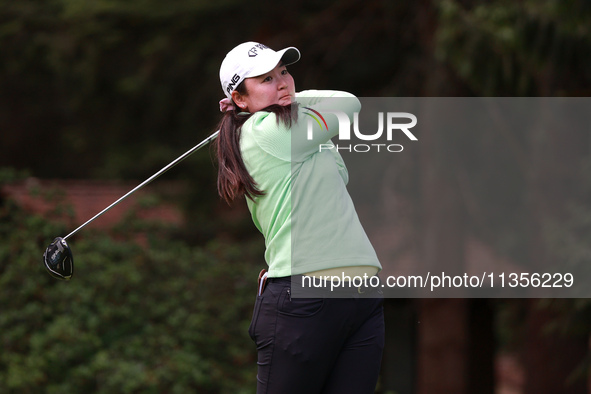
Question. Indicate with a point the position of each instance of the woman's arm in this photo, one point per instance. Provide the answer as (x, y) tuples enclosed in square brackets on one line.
[(321, 114), (305, 136)]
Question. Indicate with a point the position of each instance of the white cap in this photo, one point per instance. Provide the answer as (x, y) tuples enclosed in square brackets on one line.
[(251, 59)]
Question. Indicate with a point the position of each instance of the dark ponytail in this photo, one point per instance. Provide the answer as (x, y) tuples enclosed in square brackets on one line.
[(233, 178)]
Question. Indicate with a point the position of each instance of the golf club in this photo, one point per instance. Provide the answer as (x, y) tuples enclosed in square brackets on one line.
[(58, 258)]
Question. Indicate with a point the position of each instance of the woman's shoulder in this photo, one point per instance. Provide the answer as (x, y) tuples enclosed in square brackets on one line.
[(264, 126), (262, 133), (261, 121)]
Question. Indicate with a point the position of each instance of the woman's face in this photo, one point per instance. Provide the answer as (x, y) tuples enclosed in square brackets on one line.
[(275, 87)]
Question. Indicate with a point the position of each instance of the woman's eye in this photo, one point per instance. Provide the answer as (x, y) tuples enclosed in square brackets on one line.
[(284, 72), (267, 79)]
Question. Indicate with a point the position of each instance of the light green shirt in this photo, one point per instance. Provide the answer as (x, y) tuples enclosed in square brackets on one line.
[(306, 216)]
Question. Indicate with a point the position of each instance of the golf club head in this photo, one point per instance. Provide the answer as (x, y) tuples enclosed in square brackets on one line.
[(58, 259)]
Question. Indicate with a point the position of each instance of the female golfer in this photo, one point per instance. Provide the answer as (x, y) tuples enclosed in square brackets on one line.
[(294, 183)]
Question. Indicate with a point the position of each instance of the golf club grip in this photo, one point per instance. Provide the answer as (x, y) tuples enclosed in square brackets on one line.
[(150, 179)]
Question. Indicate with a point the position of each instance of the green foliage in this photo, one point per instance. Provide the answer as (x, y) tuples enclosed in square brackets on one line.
[(83, 78), (526, 48), (8, 174), (152, 316)]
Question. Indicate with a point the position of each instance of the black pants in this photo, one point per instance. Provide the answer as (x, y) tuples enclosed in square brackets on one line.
[(316, 345)]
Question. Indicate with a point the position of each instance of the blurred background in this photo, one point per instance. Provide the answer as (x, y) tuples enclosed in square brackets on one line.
[(96, 96)]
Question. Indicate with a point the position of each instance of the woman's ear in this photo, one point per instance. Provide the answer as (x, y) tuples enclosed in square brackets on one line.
[(239, 100)]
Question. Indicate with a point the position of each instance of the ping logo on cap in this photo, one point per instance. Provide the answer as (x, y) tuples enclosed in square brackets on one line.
[(252, 52), (233, 83)]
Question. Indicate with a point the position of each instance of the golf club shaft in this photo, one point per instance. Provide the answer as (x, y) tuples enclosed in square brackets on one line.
[(150, 179)]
